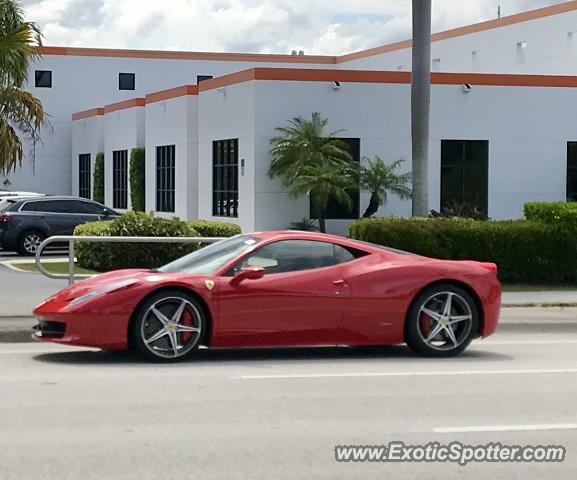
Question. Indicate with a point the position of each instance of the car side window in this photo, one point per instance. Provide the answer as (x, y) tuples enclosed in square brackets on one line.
[(90, 208), (35, 207), (296, 255)]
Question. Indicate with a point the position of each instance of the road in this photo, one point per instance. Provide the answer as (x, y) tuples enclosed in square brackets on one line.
[(73, 413)]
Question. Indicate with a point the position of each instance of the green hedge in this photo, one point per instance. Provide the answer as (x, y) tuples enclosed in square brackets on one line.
[(112, 256), (552, 212), (525, 251), (137, 180), (98, 189)]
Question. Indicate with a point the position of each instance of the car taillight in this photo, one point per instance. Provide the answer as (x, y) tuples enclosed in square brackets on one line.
[(6, 217)]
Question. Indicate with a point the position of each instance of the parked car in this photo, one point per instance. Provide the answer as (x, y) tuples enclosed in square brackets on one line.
[(280, 289), (26, 221), (7, 193)]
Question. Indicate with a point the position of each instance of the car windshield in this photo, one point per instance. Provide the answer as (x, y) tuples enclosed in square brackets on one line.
[(209, 260)]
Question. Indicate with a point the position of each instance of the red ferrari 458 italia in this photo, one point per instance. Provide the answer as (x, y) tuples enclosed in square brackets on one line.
[(280, 289)]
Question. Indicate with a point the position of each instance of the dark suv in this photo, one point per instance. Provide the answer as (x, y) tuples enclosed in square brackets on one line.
[(26, 222)]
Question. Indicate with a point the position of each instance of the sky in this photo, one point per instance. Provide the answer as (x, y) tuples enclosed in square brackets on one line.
[(323, 27)]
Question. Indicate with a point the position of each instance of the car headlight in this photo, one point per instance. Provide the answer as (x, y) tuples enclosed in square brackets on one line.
[(102, 291)]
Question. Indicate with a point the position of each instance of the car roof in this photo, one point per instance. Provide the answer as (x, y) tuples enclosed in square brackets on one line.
[(321, 237), (54, 197)]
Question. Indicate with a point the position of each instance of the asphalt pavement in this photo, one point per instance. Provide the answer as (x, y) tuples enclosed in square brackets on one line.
[(260, 414)]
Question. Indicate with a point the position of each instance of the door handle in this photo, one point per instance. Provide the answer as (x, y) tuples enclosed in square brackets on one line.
[(339, 283)]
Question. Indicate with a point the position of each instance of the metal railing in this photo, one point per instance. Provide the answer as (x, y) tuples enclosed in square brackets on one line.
[(71, 240)]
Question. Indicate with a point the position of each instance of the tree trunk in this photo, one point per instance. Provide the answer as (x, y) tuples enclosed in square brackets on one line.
[(374, 205), (322, 224), (420, 105)]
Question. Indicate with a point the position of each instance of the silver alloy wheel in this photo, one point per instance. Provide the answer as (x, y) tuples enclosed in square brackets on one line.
[(31, 242), (164, 331), (445, 320)]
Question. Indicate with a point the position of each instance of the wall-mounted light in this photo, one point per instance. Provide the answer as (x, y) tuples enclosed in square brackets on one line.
[(336, 85), (466, 88)]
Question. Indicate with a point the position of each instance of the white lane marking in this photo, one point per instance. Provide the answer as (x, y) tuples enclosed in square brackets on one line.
[(507, 428), (440, 373)]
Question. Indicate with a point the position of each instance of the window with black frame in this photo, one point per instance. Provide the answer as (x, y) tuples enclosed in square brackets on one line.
[(571, 172), (337, 210), (225, 178), (84, 175), (465, 176), (120, 179), (165, 178)]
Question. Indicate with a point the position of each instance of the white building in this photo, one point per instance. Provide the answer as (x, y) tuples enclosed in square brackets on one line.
[(508, 139)]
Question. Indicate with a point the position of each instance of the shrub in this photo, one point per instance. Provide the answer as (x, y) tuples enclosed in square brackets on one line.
[(98, 190), (111, 256), (552, 212), (525, 251), (137, 179), (207, 228)]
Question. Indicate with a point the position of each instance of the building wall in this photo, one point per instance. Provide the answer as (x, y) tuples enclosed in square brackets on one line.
[(228, 113), (550, 48), (527, 137), (84, 82), (123, 130), (87, 137), (174, 122)]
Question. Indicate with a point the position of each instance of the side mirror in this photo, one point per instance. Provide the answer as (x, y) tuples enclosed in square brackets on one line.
[(250, 273), (105, 213)]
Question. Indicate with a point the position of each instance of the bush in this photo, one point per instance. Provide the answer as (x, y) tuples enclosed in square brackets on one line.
[(137, 180), (525, 251), (98, 190), (207, 228), (552, 212), (112, 256)]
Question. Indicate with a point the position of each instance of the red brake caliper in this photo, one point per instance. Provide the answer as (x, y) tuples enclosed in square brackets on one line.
[(186, 320)]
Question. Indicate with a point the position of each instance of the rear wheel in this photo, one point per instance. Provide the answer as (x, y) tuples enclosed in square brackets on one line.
[(442, 321), (168, 326), (30, 241)]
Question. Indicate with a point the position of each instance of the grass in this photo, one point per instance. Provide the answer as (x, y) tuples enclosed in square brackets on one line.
[(53, 267)]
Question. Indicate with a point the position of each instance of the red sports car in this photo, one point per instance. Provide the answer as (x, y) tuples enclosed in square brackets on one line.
[(279, 289)]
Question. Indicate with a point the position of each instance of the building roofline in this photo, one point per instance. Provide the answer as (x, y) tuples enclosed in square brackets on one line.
[(343, 76), (365, 76), (171, 93), (312, 59), (468, 29), (175, 55), (88, 113), (133, 102)]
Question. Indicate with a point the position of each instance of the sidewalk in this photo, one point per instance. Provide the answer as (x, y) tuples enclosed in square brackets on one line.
[(549, 298)]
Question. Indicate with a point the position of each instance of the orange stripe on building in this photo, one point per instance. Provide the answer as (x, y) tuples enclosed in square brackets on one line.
[(172, 55), (133, 102), (363, 76), (88, 113), (171, 93)]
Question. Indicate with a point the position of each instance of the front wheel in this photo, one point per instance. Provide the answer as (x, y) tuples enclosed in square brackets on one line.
[(442, 321), (168, 326)]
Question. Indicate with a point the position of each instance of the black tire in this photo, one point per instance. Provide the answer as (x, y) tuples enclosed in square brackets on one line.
[(29, 242), (173, 344), (420, 324)]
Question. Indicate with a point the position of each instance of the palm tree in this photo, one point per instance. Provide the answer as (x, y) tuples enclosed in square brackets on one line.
[(313, 162), (420, 104), (379, 178), (21, 114)]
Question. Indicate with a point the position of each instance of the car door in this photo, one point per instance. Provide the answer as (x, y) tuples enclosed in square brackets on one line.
[(299, 301)]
